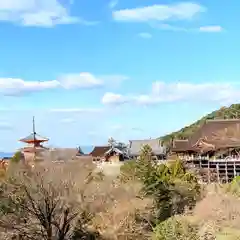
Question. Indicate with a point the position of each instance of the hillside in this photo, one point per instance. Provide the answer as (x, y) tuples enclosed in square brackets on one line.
[(223, 113)]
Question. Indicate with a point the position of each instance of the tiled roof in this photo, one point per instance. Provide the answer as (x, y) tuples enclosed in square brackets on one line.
[(220, 133), (116, 150), (99, 151), (212, 126), (180, 145), (155, 144), (31, 138), (34, 149)]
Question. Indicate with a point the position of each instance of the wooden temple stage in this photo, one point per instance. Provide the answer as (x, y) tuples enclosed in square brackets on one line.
[(218, 170), (213, 149)]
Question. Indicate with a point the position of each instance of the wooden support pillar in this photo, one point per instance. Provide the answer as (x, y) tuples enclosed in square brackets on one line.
[(234, 168), (218, 177), (226, 172), (208, 166)]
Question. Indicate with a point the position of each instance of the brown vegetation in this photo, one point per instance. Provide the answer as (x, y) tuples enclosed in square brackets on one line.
[(71, 200), (68, 201)]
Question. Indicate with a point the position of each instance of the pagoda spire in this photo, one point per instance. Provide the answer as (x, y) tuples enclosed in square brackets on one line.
[(34, 132), (34, 138)]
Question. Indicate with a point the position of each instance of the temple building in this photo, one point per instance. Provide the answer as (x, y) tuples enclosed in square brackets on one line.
[(33, 150), (218, 138), (159, 151)]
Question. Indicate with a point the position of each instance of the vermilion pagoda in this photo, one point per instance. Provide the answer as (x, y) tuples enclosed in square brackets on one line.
[(32, 151)]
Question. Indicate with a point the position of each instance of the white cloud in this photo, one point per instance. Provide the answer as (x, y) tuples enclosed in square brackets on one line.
[(46, 13), (113, 80), (145, 35), (81, 80), (180, 91), (169, 27), (112, 98), (174, 28), (211, 29), (159, 15), (15, 86), (84, 80), (159, 12)]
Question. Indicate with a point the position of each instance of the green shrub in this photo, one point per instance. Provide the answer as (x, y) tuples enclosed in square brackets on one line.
[(16, 157), (175, 228), (128, 171), (172, 187), (233, 187)]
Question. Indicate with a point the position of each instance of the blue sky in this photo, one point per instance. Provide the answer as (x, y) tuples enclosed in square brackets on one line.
[(128, 69)]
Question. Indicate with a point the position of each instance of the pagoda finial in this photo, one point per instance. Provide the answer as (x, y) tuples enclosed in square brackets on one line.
[(34, 131), (34, 124)]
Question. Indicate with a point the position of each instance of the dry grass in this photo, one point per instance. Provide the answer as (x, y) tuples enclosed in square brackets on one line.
[(217, 215), (113, 204), (114, 207)]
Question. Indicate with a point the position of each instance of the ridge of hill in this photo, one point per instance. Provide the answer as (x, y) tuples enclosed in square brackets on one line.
[(232, 112)]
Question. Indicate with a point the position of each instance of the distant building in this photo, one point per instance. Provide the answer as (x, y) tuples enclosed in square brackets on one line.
[(62, 154), (80, 151), (109, 153), (98, 153), (115, 154), (159, 151)]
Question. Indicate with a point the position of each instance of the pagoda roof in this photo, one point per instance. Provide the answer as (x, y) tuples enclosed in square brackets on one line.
[(34, 149), (32, 138)]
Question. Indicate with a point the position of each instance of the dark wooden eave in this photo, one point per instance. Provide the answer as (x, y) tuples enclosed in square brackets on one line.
[(180, 145), (99, 151)]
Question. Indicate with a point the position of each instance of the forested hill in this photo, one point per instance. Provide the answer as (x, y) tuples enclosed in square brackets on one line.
[(231, 112)]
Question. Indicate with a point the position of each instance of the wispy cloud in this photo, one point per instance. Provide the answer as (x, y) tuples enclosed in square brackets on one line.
[(115, 99), (83, 80), (80, 80), (174, 28), (159, 16), (212, 28), (168, 27), (145, 35), (181, 91), (44, 13), (159, 12)]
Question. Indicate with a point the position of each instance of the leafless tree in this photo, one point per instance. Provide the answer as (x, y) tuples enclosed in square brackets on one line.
[(70, 201), (36, 206)]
